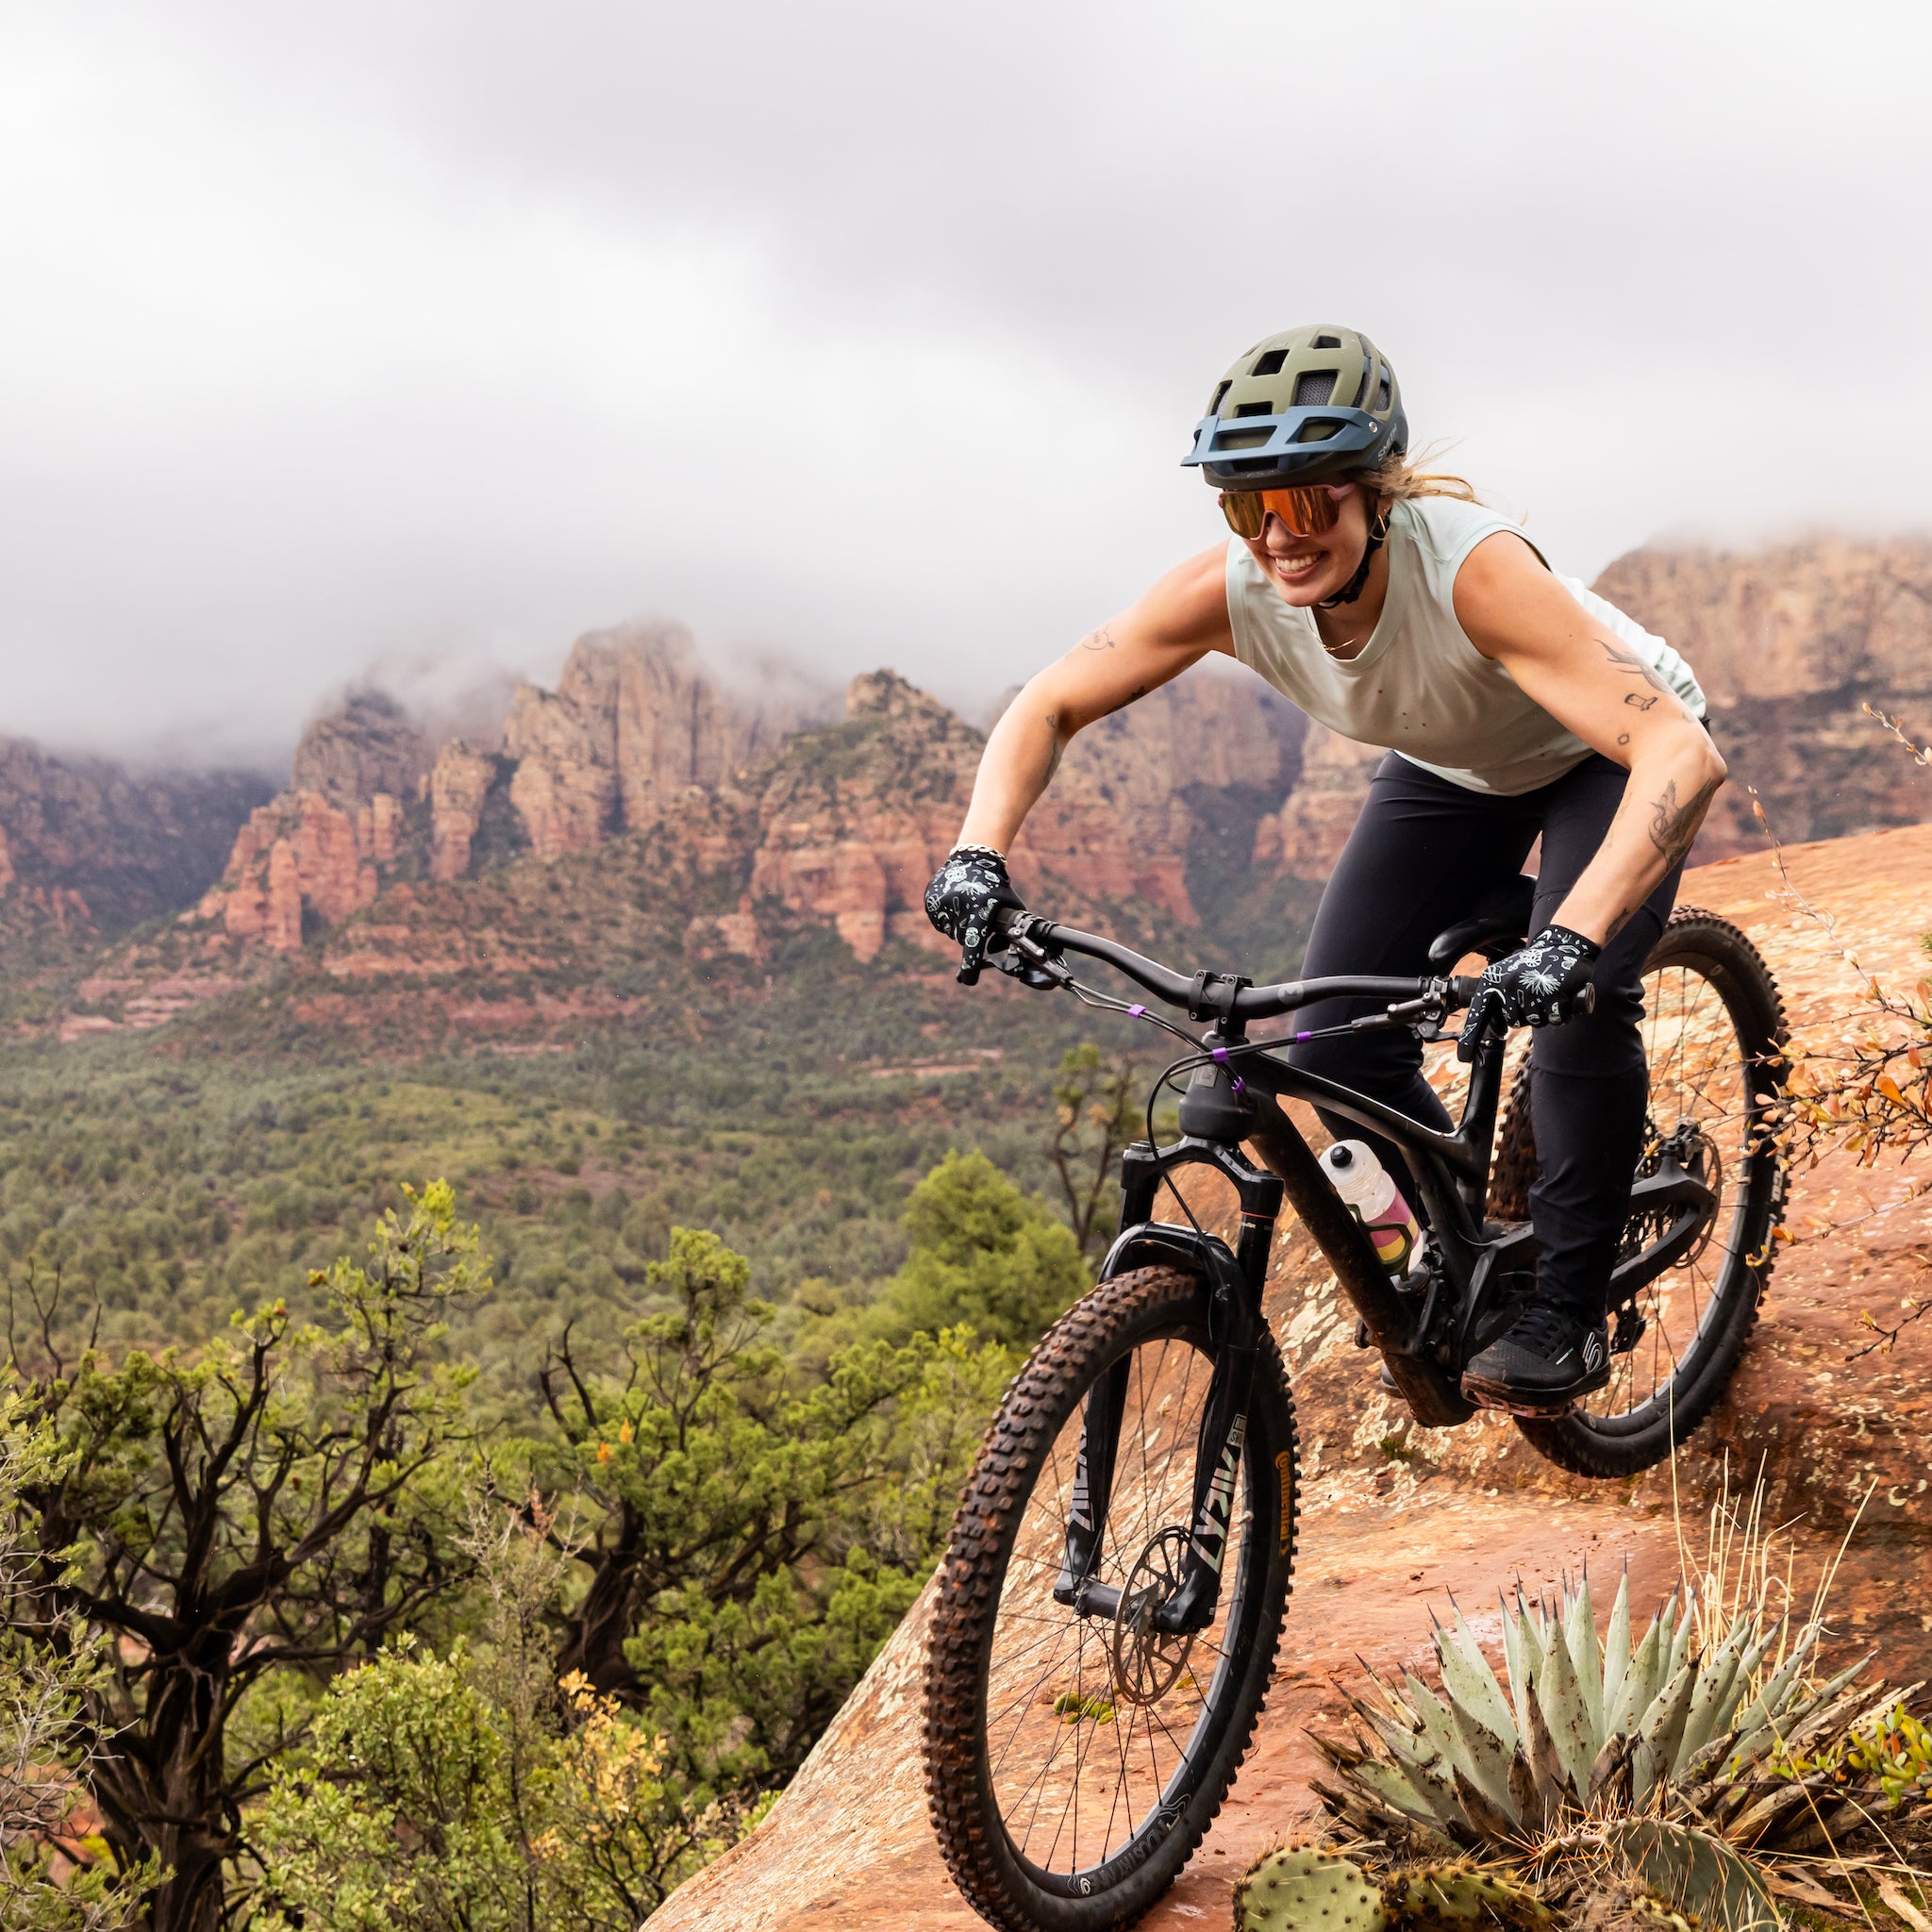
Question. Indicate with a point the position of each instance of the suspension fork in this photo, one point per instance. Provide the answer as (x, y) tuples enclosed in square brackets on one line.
[(1099, 1441), (1217, 1465), (1234, 1285)]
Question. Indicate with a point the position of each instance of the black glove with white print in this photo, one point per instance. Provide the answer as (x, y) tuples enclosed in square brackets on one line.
[(964, 895), (1541, 985)]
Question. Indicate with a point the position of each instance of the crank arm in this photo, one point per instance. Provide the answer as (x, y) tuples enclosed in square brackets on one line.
[(1672, 1187)]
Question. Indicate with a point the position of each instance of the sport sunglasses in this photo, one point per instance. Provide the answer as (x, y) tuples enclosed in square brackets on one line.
[(1308, 511)]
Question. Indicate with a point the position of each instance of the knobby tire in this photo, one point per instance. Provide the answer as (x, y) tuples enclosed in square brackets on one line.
[(1150, 1305)]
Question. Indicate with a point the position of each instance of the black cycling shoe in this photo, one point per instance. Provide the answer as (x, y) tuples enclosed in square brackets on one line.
[(1550, 1359)]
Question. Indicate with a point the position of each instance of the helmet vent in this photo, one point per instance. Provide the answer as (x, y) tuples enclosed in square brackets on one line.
[(1261, 409), (1214, 401), (1382, 395), (1327, 342), (1314, 387), (1269, 364)]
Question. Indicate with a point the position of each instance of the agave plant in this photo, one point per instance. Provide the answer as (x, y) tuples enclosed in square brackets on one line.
[(1724, 1737)]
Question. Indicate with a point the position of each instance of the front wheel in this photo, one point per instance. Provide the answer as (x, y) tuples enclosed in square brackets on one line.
[(1073, 1762), (1713, 1034)]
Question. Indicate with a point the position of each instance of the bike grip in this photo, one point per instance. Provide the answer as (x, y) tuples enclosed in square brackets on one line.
[(1585, 1000), (1462, 987)]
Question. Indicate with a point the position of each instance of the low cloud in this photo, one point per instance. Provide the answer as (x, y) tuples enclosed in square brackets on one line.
[(863, 334)]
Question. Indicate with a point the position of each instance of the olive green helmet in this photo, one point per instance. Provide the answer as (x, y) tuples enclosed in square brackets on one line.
[(1311, 405)]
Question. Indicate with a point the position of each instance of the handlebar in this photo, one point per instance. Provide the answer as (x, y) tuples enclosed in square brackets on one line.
[(1036, 941)]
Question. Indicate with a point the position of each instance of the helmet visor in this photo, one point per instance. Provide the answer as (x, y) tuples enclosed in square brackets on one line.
[(1308, 512)]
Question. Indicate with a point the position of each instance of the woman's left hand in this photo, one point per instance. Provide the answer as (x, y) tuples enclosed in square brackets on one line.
[(1537, 986)]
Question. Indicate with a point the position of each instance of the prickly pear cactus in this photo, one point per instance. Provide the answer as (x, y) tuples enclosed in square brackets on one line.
[(1304, 1888), (1695, 1871), (1453, 1897)]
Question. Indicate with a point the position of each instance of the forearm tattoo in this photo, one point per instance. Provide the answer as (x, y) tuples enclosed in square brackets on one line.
[(1673, 827)]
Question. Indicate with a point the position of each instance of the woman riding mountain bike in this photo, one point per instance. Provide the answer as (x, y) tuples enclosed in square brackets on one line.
[(1393, 608)]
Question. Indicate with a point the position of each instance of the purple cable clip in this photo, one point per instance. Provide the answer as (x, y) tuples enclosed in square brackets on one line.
[(1219, 1056), (1137, 1012)]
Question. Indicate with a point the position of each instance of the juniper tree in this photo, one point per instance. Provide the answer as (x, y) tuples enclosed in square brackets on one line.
[(753, 1543), (273, 1504)]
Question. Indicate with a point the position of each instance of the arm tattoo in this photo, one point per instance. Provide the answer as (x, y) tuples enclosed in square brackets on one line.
[(1101, 639), (1629, 662), (1053, 755), (1618, 923), (1140, 691), (1637, 703), (1673, 827)]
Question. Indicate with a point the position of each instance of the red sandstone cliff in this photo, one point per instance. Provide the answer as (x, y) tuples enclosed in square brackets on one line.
[(1791, 643), (1202, 782), (89, 847)]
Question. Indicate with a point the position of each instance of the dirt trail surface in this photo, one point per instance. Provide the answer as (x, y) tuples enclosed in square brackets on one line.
[(1395, 1519)]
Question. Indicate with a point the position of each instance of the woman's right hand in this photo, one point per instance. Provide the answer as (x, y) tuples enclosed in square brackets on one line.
[(964, 896)]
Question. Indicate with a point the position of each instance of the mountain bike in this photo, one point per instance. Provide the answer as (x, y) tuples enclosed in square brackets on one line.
[(1111, 1599)]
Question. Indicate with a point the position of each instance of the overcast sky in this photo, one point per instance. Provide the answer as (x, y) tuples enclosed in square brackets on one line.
[(425, 335)]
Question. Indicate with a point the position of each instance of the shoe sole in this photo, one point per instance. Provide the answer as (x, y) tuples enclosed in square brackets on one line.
[(1508, 1401)]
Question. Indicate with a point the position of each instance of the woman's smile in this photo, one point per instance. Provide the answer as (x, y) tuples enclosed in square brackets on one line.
[(1297, 568)]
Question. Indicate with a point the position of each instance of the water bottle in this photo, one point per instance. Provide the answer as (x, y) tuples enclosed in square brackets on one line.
[(1364, 1184)]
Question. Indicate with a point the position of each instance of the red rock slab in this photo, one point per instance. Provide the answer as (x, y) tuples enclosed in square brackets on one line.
[(1839, 1437)]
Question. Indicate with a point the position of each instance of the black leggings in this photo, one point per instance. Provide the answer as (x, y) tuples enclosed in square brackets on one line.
[(1421, 852)]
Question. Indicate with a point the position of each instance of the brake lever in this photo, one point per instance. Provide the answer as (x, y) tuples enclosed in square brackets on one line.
[(1031, 964), (1426, 1013)]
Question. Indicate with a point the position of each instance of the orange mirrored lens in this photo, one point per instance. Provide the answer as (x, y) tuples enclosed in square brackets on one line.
[(1307, 512)]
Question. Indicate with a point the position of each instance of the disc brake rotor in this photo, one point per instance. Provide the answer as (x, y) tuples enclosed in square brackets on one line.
[(1146, 1660)]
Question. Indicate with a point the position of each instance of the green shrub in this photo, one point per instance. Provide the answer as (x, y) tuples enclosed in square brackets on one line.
[(985, 1255)]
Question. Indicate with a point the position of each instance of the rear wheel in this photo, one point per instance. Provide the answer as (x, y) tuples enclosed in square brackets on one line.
[(1073, 1762), (1713, 1033)]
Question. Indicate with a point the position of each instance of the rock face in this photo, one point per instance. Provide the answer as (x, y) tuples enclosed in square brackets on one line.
[(89, 848), (857, 818), (842, 822), (460, 788), (633, 723), (364, 750), (303, 856), (1305, 838), (1790, 645)]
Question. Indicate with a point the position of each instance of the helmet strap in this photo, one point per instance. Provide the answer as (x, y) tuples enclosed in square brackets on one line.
[(1378, 535)]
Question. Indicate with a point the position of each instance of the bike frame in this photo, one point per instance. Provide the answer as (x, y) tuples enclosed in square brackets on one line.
[(1425, 1327)]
